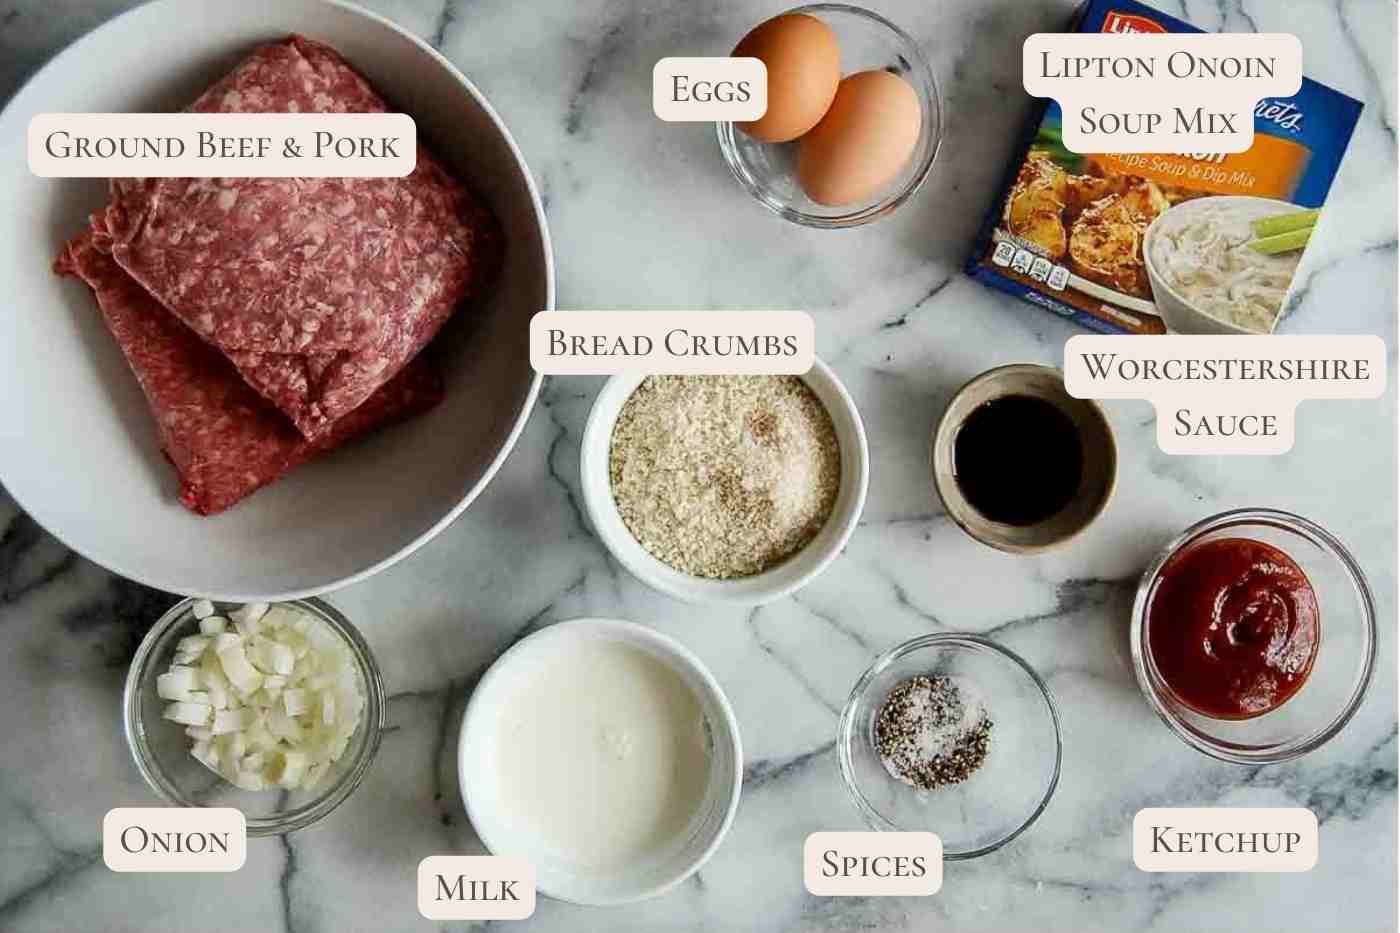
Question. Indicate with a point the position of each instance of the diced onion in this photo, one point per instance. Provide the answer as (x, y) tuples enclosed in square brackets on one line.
[(247, 619), (218, 696), (188, 714), (283, 726), (271, 702), (177, 683), (226, 640), (232, 720), (243, 675), (294, 700), (237, 745), (249, 614), (279, 617), (288, 769), (195, 643), (205, 755), (327, 709), (212, 625), (247, 780), (282, 658)]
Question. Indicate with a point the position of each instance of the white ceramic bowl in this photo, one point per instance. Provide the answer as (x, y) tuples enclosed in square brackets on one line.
[(477, 773), (787, 577), (1180, 316), (78, 448)]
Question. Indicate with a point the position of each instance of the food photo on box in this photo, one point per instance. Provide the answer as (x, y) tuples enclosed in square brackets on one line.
[(1193, 243), (292, 529)]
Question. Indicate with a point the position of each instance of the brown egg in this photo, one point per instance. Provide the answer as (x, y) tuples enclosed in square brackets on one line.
[(804, 68), (863, 141)]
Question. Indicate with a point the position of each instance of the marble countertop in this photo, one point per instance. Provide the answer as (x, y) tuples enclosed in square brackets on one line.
[(644, 215)]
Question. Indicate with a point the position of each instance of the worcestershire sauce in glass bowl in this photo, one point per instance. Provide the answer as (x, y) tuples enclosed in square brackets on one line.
[(1018, 459)]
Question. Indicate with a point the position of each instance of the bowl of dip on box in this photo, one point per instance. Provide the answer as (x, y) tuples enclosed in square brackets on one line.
[(1205, 277)]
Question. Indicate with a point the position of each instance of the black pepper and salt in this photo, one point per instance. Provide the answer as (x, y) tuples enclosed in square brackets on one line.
[(931, 732)]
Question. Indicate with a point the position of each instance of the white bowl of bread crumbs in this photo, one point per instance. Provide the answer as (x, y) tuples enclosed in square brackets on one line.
[(733, 490)]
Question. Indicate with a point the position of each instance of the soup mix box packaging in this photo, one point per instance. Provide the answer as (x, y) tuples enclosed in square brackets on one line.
[(1067, 231)]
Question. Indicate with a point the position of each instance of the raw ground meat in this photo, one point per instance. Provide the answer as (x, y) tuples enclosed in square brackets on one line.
[(224, 440), (318, 289)]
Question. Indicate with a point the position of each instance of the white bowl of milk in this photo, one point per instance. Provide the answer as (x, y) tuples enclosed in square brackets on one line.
[(604, 753)]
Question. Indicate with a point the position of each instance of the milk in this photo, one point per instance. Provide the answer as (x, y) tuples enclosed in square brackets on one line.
[(603, 755)]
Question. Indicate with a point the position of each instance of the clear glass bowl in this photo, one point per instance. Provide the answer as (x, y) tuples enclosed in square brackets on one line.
[(162, 750), (1004, 796), (869, 42), (1346, 650)]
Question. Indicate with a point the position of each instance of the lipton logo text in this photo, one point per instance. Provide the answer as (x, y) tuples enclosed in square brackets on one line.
[(1128, 22)]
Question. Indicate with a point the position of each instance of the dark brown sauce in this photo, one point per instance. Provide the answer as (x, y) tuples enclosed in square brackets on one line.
[(1018, 459)]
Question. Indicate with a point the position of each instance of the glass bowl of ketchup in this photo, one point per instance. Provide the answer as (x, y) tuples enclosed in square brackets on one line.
[(1254, 636)]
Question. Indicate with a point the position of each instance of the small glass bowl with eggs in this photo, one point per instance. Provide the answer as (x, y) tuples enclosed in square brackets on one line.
[(854, 117), (275, 709)]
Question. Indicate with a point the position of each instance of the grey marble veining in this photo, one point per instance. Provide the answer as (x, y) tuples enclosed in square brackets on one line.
[(644, 215)]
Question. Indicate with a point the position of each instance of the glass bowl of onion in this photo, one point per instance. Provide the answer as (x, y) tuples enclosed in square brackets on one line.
[(276, 710)]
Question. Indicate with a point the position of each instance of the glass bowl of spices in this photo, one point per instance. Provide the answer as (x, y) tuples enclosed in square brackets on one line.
[(1254, 636), (951, 734), (734, 490)]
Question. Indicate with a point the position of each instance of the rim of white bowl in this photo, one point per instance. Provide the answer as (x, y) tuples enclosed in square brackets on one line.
[(761, 588), (674, 652), (74, 50)]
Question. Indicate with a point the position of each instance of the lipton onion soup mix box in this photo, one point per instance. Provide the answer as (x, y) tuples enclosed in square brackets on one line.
[(1139, 243)]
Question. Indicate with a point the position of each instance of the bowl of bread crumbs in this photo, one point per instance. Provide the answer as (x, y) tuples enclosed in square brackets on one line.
[(734, 490)]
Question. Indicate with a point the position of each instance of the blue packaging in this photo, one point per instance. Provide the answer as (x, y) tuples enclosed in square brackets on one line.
[(1029, 251)]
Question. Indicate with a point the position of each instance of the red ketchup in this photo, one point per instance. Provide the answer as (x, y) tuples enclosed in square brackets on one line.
[(1233, 627)]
